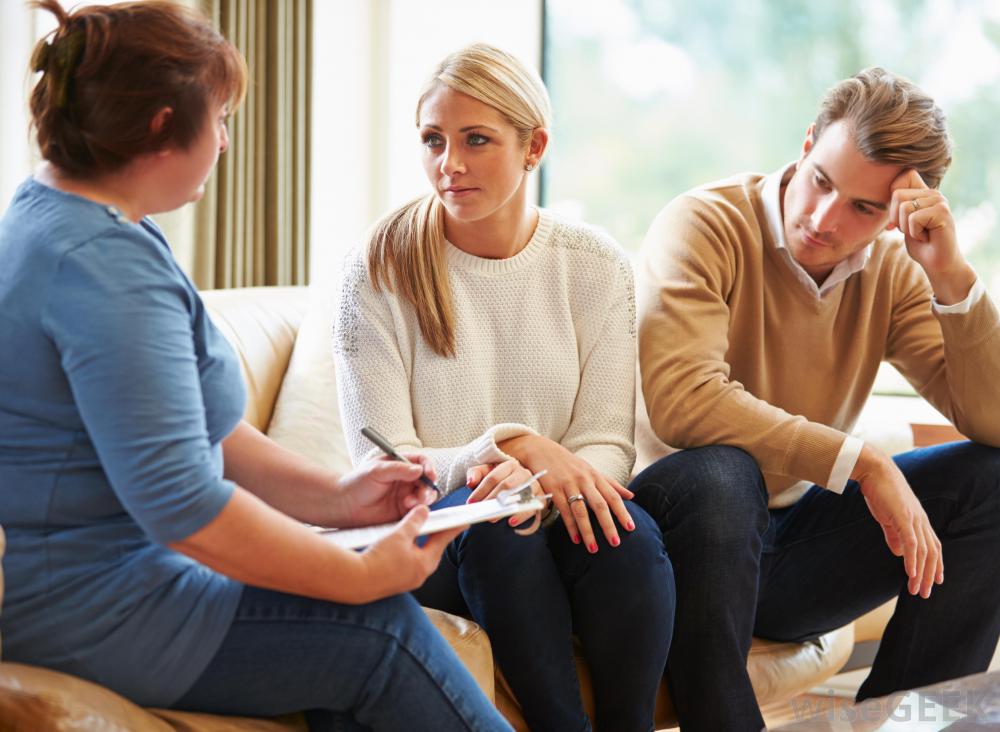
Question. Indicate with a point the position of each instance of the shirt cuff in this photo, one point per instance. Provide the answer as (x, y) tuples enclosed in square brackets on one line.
[(847, 458), (961, 308)]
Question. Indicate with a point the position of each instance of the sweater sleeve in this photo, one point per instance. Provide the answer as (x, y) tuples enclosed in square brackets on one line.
[(373, 383), (689, 263), (951, 359), (602, 428)]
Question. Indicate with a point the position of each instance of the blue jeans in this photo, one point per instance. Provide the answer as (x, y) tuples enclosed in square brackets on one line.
[(381, 666), (795, 573), (532, 593)]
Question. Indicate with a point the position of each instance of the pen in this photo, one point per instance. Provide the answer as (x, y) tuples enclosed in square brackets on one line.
[(384, 446)]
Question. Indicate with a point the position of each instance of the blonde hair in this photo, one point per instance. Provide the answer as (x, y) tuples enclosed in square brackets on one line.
[(891, 120), (406, 247)]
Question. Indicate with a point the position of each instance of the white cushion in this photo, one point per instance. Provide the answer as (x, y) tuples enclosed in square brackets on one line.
[(306, 416)]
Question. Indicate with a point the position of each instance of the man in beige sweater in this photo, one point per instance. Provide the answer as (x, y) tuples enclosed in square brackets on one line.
[(767, 303)]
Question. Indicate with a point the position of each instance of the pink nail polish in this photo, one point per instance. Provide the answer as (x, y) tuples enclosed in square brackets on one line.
[(592, 548), (630, 526), (615, 541), (576, 539)]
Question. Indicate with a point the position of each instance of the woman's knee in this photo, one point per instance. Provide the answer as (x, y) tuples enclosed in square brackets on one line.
[(498, 544), (642, 545), (639, 560)]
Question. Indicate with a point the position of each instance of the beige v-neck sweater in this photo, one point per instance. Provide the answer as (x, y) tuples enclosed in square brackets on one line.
[(734, 351)]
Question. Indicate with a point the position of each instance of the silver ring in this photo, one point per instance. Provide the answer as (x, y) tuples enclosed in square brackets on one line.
[(916, 205), (577, 497)]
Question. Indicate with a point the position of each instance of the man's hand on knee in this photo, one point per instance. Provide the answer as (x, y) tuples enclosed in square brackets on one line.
[(904, 522)]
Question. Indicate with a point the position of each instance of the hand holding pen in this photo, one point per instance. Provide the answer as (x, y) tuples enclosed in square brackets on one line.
[(385, 446)]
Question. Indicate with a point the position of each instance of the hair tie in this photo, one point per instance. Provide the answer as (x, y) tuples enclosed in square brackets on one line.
[(43, 54), (67, 54)]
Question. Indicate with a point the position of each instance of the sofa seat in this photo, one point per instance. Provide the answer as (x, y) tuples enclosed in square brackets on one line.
[(33, 699), (263, 324)]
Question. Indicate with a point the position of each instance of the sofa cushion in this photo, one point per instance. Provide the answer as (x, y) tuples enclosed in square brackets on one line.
[(472, 645), (780, 671), (196, 722), (33, 699), (306, 416), (261, 324)]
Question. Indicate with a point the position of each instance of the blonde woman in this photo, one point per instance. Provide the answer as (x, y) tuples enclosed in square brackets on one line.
[(497, 340)]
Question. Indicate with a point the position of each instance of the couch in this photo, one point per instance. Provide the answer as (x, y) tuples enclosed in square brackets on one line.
[(282, 337)]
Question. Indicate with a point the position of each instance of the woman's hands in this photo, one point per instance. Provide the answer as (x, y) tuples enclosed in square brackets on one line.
[(488, 480), (396, 564), (380, 491), (569, 476)]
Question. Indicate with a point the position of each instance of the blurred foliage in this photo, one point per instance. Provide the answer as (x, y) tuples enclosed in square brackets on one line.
[(653, 97)]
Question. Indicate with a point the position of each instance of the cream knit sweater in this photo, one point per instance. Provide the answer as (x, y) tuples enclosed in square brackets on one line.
[(545, 343)]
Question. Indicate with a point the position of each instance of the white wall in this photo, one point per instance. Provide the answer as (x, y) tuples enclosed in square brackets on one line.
[(370, 60), (19, 27)]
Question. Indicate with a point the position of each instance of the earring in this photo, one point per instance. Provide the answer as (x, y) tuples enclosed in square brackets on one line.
[(529, 167)]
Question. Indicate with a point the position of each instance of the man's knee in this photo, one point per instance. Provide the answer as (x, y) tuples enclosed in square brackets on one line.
[(981, 465), (982, 461), (718, 492), (964, 472)]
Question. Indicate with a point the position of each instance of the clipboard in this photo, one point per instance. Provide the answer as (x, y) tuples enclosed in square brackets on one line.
[(515, 500)]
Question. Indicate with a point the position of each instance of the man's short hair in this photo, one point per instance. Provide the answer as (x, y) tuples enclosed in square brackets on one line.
[(891, 120)]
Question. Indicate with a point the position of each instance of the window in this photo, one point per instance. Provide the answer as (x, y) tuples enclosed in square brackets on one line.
[(653, 97), (18, 32)]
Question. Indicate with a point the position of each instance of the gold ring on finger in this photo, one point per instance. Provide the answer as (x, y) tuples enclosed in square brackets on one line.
[(916, 204), (577, 497)]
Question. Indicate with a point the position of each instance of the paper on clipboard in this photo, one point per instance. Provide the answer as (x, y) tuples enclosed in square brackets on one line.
[(516, 500)]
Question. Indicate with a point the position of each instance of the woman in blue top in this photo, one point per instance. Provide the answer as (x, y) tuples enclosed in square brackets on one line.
[(154, 539)]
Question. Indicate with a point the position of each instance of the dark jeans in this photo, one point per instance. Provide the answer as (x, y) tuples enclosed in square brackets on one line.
[(531, 593), (792, 574), (381, 666)]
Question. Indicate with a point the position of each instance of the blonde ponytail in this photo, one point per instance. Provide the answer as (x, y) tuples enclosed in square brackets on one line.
[(406, 257)]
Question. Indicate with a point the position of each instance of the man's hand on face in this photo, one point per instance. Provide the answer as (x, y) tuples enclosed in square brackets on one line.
[(923, 216)]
